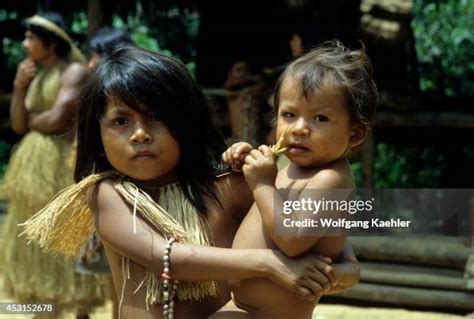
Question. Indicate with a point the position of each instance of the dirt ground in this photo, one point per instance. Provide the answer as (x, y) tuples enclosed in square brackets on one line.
[(322, 312), (351, 312)]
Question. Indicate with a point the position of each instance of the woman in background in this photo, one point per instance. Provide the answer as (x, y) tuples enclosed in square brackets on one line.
[(43, 108)]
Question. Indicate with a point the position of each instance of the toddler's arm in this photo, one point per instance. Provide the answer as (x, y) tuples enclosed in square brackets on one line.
[(260, 173), (234, 156)]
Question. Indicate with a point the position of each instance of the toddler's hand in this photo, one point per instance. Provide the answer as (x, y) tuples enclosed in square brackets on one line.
[(234, 156), (260, 167)]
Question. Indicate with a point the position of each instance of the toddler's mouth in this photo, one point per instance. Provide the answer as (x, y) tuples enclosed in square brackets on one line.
[(297, 149)]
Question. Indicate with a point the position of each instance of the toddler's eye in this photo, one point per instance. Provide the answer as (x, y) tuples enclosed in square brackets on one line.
[(320, 118), (287, 114)]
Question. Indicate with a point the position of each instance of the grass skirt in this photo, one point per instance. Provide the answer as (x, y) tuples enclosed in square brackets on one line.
[(37, 170)]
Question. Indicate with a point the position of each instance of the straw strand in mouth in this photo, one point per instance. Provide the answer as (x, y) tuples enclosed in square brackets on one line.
[(278, 148)]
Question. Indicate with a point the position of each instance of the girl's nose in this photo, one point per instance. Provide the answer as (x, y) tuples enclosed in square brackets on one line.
[(141, 136), (301, 128)]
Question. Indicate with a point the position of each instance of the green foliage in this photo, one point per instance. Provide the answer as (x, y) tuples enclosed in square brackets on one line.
[(357, 171), (173, 33), (11, 48), (79, 22), (5, 15), (13, 52), (149, 38), (405, 167), (443, 31), (4, 156)]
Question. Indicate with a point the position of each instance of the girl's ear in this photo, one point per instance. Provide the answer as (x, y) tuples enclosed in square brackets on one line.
[(358, 135)]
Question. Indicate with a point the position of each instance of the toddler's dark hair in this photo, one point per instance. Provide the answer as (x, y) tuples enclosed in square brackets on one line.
[(349, 70)]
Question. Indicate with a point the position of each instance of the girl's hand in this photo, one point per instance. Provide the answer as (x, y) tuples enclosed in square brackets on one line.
[(25, 73), (234, 156), (260, 167), (309, 276), (347, 271)]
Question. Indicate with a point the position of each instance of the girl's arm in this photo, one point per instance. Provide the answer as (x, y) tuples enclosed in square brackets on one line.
[(114, 220), (59, 116), (347, 272)]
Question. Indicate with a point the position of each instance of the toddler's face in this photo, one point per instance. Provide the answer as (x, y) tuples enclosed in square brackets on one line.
[(318, 131), (138, 145)]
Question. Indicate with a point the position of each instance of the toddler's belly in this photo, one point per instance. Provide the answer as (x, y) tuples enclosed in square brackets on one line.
[(261, 297), (264, 299)]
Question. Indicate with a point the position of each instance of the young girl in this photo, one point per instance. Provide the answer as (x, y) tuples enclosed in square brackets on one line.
[(46, 88), (146, 168), (325, 103)]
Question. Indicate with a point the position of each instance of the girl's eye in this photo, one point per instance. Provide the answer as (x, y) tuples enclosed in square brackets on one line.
[(287, 114), (320, 118), (119, 121)]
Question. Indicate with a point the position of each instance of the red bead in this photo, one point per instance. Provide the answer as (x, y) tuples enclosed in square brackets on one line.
[(166, 276), (176, 237)]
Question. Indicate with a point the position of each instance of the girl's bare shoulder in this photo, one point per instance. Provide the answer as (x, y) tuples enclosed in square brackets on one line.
[(100, 194), (233, 193)]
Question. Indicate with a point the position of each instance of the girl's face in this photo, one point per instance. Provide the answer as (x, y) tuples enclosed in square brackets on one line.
[(139, 146), (35, 48), (318, 131)]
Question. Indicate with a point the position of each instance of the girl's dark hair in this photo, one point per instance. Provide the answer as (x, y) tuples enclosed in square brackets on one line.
[(349, 70), (48, 37), (150, 82), (109, 39)]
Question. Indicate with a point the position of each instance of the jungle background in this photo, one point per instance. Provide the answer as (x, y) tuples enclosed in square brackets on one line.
[(422, 52)]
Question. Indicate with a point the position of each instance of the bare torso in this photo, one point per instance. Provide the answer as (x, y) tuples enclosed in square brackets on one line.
[(262, 298), (223, 225)]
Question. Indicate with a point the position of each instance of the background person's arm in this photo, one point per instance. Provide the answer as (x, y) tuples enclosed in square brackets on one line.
[(25, 73), (57, 119)]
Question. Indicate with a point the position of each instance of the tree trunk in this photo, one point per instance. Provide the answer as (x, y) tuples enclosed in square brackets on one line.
[(95, 16), (439, 251)]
